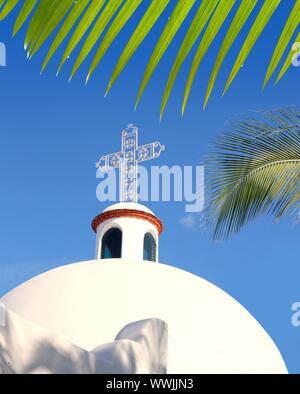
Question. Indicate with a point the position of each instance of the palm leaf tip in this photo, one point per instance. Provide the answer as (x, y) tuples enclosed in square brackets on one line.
[(253, 170), (198, 24), (179, 14), (25, 12), (87, 79), (107, 90), (217, 20), (285, 38), (264, 16), (241, 17)]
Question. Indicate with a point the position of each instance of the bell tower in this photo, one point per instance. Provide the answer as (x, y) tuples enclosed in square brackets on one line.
[(129, 231)]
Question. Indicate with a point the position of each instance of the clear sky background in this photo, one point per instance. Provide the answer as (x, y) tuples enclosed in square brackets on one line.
[(52, 133)]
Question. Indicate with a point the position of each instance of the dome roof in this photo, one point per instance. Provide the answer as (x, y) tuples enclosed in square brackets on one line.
[(128, 205), (89, 302), (128, 210)]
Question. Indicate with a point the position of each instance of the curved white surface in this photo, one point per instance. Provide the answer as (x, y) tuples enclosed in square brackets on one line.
[(128, 205), (88, 302)]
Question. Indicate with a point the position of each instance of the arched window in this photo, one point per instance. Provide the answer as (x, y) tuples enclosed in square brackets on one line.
[(111, 244), (149, 247)]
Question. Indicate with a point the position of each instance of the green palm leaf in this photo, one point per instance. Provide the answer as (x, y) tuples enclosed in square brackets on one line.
[(83, 26), (212, 30), (175, 21), (285, 38), (8, 7), (24, 14), (59, 10), (154, 11), (104, 19), (292, 205), (238, 22), (43, 13), (203, 14), (65, 29), (117, 25), (87, 20), (260, 23), (254, 169)]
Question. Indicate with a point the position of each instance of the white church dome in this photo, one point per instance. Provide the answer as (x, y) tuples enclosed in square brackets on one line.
[(88, 303)]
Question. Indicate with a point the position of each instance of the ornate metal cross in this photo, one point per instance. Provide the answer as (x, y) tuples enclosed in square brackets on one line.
[(127, 161)]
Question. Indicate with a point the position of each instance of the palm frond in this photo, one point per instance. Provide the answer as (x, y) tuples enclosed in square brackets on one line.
[(264, 16), (237, 24), (102, 22), (254, 169), (175, 21), (82, 27), (92, 23), (45, 27), (285, 38), (26, 10), (124, 15), (146, 24), (220, 15), (65, 29), (7, 8), (199, 22)]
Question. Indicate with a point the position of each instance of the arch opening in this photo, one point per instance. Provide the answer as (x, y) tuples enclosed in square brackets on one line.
[(111, 247), (149, 253)]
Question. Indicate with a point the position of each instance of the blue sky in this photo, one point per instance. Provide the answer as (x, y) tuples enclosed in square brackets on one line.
[(52, 133)]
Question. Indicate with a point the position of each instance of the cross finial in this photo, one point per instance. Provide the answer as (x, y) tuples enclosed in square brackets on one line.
[(127, 161)]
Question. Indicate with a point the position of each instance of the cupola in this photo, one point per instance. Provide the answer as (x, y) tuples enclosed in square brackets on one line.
[(127, 231)]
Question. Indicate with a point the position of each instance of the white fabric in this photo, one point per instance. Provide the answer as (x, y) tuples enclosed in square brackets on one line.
[(26, 348)]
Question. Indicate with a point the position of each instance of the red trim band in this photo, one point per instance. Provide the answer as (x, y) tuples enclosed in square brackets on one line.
[(130, 213)]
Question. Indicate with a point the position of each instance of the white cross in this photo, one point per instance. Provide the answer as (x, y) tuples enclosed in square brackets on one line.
[(127, 160)]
